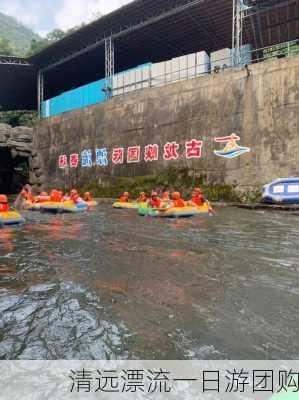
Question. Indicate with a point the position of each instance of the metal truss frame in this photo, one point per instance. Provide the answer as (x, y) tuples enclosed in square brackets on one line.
[(12, 60), (126, 30), (109, 66)]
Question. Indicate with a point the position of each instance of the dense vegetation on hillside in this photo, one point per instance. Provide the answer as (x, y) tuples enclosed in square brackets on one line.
[(18, 35), (17, 39)]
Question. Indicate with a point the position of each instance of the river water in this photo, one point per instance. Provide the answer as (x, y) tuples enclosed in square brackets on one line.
[(108, 284)]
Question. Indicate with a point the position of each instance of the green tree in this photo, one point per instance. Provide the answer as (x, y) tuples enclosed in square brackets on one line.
[(75, 28), (6, 47), (52, 37), (19, 35), (56, 34)]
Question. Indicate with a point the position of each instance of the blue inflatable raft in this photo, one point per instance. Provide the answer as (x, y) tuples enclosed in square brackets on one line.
[(282, 191)]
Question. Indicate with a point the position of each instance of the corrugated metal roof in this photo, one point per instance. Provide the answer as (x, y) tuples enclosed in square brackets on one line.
[(206, 25)]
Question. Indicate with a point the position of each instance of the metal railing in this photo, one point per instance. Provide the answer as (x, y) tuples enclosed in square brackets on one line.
[(280, 50), (147, 76)]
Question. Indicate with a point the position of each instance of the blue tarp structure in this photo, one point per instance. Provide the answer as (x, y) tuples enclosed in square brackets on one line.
[(73, 99), (80, 97)]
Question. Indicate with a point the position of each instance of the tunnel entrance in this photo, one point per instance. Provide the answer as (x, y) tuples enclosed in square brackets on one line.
[(14, 172)]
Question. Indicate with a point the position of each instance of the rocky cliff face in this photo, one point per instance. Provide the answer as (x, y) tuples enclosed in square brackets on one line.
[(19, 161)]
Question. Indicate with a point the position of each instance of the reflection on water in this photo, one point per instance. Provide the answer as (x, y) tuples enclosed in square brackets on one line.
[(109, 284)]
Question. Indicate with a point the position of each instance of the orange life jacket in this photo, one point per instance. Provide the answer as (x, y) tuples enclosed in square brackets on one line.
[(141, 199), (87, 198), (198, 200), (4, 207), (123, 199), (56, 197), (155, 203), (179, 203)]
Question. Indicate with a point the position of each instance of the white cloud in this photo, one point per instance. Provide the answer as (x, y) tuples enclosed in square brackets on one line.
[(19, 11), (35, 14), (42, 32), (45, 15), (74, 12)]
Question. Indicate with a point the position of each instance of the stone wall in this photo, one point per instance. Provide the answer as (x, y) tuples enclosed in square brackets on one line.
[(260, 104), (17, 144)]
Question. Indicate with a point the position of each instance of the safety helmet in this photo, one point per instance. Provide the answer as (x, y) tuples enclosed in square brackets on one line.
[(3, 199), (176, 195)]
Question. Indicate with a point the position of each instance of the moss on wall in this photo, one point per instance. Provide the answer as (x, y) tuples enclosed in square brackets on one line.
[(18, 118), (183, 180)]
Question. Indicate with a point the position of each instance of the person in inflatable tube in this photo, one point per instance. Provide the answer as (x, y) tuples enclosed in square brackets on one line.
[(124, 198), (24, 197), (197, 198), (56, 196), (76, 198), (142, 198), (87, 196), (66, 197), (26, 193), (42, 197), (165, 196), (166, 201), (4, 206), (155, 201), (177, 200), (73, 193)]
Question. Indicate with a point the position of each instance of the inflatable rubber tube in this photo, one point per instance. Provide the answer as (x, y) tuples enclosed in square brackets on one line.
[(11, 218), (121, 205)]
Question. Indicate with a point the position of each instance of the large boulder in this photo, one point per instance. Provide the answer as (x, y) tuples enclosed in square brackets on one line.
[(19, 141), (5, 132)]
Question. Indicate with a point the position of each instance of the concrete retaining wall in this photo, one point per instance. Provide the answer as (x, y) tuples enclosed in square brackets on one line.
[(260, 105)]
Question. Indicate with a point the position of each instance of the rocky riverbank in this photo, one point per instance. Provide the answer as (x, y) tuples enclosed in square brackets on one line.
[(19, 161)]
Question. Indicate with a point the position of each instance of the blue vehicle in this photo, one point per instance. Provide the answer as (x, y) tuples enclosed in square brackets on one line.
[(282, 191)]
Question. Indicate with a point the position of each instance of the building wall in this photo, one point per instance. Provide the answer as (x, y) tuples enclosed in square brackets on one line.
[(260, 105)]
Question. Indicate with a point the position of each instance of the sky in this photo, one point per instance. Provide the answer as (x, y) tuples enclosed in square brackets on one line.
[(45, 15)]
